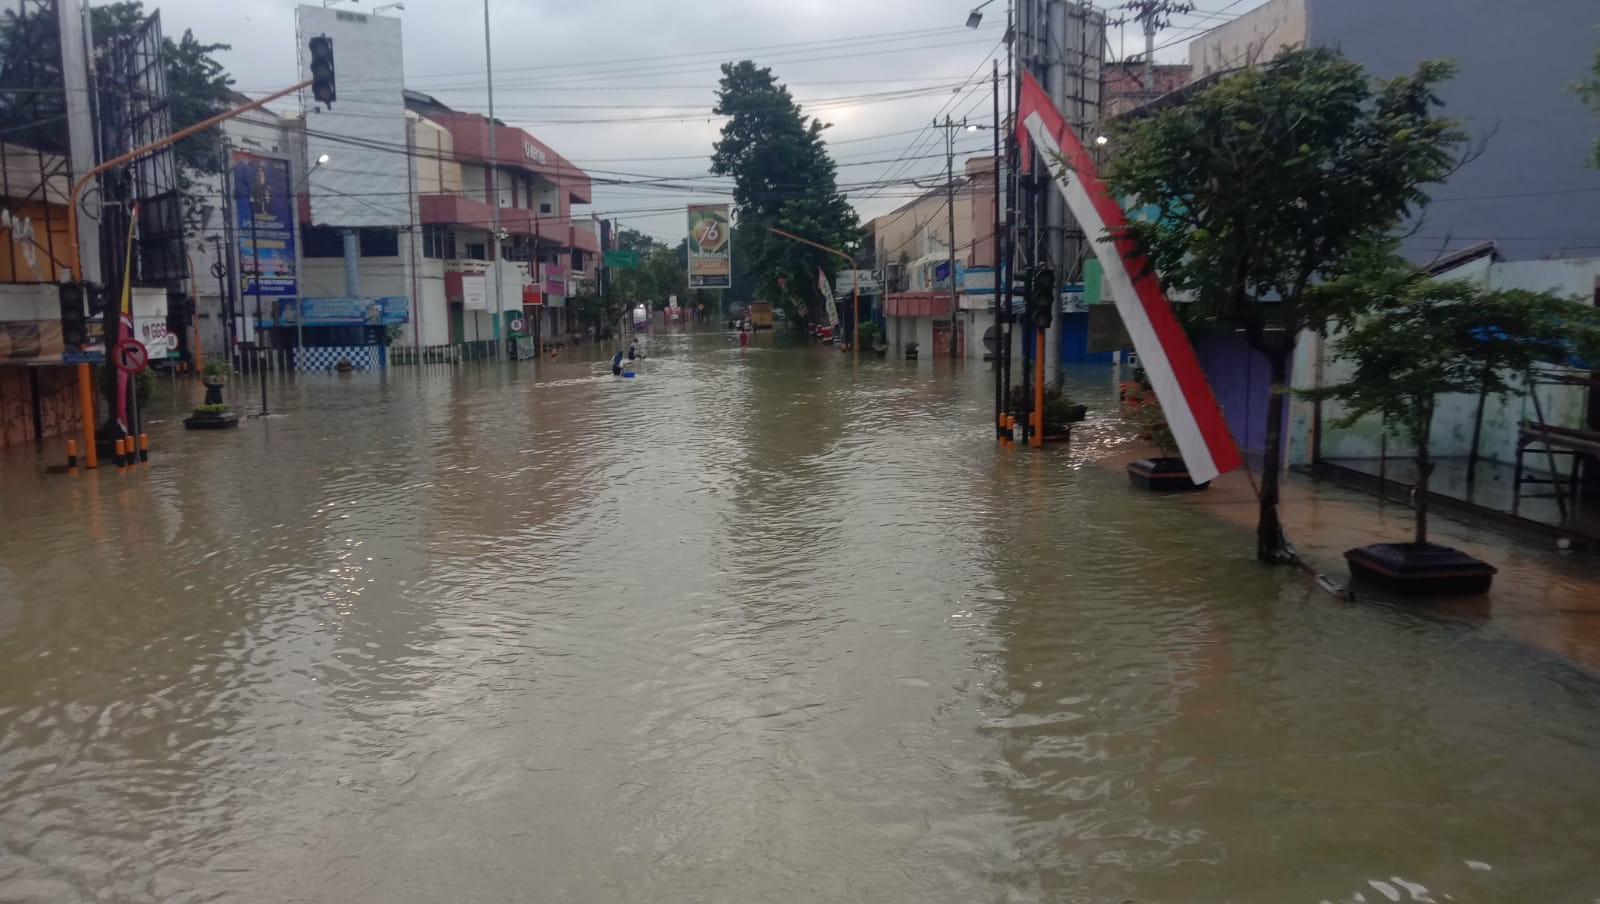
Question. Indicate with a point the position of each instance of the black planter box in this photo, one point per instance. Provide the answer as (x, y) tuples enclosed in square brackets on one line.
[(211, 421), (1425, 570), (1163, 475)]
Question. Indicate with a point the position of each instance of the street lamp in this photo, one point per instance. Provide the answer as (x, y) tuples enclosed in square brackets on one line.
[(1102, 140), (975, 18)]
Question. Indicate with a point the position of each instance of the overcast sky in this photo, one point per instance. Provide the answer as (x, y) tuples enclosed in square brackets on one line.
[(626, 86)]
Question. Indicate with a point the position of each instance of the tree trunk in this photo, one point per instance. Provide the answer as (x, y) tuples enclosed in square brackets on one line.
[(1269, 531), (1424, 471)]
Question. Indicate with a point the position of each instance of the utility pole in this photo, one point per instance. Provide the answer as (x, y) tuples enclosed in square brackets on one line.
[(950, 127), (255, 265), (491, 176), (1152, 16)]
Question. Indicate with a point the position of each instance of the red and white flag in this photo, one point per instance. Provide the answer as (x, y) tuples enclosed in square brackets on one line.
[(1164, 351)]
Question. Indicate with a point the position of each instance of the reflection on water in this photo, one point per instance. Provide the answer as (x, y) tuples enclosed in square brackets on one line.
[(756, 626)]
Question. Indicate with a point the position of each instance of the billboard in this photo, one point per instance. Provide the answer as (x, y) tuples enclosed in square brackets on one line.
[(263, 218), (364, 182), (474, 292), (387, 310), (710, 247), (555, 279)]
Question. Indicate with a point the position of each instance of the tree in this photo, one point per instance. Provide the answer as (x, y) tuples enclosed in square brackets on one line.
[(198, 87), (782, 177), (1423, 338), (1589, 90), (1273, 180)]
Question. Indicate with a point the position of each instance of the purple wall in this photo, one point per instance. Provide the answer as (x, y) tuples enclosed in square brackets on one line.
[(1241, 378)]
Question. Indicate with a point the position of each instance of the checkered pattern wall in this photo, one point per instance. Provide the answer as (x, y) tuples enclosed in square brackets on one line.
[(316, 358)]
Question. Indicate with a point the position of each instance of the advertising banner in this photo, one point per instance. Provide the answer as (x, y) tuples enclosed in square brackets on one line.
[(555, 279), (263, 210), (827, 295), (388, 310), (710, 247)]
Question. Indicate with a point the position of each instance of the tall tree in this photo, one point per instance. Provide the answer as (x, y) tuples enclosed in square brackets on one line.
[(198, 87), (782, 177), (1273, 180)]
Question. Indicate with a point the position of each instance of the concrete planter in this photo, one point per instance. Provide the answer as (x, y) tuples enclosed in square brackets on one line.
[(1426, 570), (1162, 475), (209, 421)]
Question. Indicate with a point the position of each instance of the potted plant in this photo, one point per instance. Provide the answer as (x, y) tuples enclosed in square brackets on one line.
[(872, 338), (1060, 412), (1423, 338), (213, 413), (911, 351), (1165, 472)]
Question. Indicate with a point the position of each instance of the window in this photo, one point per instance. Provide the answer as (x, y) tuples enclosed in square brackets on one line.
[(380, 243), (322, 241), (577, 260), (438, 242), (477, 251), (543, 207)]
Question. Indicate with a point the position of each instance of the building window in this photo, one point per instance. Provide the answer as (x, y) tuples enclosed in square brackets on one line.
[(438, 242), (477, 251), (321, 241), (543, 207), (380, 243), (577, 260)]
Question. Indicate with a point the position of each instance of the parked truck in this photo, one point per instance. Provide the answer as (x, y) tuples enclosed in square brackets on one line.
[(761, 315)]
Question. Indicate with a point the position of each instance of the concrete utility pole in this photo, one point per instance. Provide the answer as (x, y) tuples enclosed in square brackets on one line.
[(492, 183), (950, 127)]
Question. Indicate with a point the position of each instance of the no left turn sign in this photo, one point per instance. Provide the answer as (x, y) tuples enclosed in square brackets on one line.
[(130, 356)]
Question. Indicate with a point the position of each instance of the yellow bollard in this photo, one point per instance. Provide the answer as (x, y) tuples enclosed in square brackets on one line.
[(144, 448), (118, 457), (72, 456)]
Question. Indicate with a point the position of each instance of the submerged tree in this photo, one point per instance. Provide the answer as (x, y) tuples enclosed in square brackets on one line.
[(782, 177), (1422, 338), (1273, 180)]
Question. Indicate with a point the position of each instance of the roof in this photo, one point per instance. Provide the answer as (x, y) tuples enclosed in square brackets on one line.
[(1447, 262)]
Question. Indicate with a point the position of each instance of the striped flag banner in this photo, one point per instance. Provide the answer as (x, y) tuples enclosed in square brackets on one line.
[(1164, 351)]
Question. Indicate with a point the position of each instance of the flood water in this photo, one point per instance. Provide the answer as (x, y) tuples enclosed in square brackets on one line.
[(755, 627)]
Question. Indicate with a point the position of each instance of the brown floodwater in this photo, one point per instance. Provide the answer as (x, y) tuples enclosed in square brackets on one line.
[(755, 627)]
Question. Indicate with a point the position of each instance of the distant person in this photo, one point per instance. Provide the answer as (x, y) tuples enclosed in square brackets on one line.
[(633, 351), (616, 364)]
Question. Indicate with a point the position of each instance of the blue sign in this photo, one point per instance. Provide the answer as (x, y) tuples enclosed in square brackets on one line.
[(263, 209), (388, 310), (82, 356)]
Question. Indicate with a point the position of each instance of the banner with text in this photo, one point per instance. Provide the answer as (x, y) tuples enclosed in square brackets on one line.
[(388, 310), (263, 209), (710, 247)]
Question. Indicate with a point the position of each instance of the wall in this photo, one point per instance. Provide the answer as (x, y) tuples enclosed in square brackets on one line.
[(58, 402), (1241, 379), (433, 147), (1530, 192), (1256, 35), (921, 227)]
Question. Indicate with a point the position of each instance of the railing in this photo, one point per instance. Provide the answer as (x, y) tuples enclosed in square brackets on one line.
[(427, 354)]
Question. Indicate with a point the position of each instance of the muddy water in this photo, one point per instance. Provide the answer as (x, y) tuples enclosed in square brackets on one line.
[(754, 627)]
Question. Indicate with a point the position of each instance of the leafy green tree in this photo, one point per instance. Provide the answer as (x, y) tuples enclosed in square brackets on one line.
[(1271, 181), (1422, 338), (198, 87), (1589, 90), (782, 177)]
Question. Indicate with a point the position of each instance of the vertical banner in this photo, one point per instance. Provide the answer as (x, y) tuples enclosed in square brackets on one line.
[(710, 247), (827, 296), (263, 210)]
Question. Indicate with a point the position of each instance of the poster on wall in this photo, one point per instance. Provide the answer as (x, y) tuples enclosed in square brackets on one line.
[(263, 211), (710, 247)]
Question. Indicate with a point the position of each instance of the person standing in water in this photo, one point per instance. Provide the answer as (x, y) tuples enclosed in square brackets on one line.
[(616, 364)]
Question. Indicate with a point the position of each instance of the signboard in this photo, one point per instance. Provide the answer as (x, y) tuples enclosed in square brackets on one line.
[(555, 279), (516, 324), (710, 247), (868, 282), (263, 213), (622, 260), (388, 310), (474, 293), (172, 345), (130, 356)]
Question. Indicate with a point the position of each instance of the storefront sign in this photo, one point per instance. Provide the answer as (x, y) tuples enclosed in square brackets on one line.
[(474, 293), (389, 310), (555, 279)]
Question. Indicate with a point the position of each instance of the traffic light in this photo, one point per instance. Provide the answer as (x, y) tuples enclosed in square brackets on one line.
[(1042, 297), (74, 329), (322, 89)]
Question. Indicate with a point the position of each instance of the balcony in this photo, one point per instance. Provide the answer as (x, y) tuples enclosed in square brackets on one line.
[(516, 149), (551, 230)]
